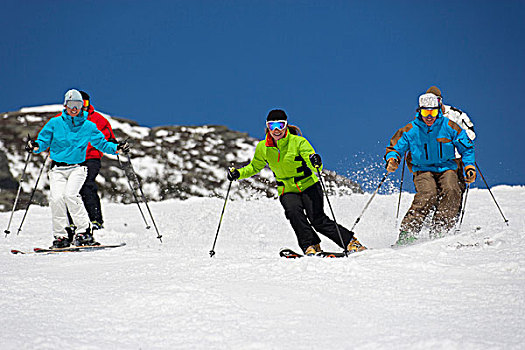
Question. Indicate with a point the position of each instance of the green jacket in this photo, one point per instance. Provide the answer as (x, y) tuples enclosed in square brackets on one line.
[(289, 161)]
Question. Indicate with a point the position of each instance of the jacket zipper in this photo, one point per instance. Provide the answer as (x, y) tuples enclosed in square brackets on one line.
[(441, 150), (426, 151)]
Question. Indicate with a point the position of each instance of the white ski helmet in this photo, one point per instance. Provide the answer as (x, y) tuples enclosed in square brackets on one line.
[(72, 95), (428, 100)]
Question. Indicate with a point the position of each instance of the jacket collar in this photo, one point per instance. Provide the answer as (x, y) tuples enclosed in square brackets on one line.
[(74, 121), (419, 122), (270, 142)]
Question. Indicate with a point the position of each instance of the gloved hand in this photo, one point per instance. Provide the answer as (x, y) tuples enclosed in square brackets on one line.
[(233, 174), (124, 147), (392, 164), (315, 159), (470, 174), (31, 146)]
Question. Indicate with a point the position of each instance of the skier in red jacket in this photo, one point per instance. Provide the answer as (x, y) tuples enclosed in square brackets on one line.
[(89, 190)]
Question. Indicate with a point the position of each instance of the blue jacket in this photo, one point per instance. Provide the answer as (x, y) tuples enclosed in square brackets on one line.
[(432, 147), (68, 138)]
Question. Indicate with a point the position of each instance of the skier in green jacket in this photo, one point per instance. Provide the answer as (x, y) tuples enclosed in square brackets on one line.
[(294, 162)]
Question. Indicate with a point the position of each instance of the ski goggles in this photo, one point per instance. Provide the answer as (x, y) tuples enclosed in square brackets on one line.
[(276, 124), (74, 104), (427, 113)]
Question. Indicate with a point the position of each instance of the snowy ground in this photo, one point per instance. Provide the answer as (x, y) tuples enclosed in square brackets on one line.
[(461, 292)]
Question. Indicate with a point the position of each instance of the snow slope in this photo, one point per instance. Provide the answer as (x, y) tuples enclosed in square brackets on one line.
[(461, 292)]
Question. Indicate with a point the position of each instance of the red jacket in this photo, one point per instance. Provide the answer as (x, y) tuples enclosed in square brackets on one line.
[(102, 125)]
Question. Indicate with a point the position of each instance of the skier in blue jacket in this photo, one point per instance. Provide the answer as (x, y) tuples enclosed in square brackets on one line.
[(431, 140), (67, 137)]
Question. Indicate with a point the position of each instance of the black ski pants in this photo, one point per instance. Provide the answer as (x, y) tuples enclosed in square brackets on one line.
[(305, 212), (89, 191)]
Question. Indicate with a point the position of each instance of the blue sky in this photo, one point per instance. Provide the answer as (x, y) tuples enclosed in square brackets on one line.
[(347, 72)]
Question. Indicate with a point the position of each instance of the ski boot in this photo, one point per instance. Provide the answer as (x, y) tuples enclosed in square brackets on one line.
[(96, 225), (60, 242), (313, 249), (405, 238), (441, 228), (85, 238), (436, 233), (355, 246), (71, 232)]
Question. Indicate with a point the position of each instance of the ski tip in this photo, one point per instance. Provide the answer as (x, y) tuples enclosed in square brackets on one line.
[(15, 251), (289, 254)]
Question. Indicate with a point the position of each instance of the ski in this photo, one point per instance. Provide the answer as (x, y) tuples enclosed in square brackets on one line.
[(332, 254), (68, 249), (290, 254)]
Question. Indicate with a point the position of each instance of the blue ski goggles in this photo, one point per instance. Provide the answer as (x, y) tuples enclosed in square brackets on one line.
[(276, 124)]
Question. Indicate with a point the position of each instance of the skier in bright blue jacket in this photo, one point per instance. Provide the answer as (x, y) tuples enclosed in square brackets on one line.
[(431, 141), (67, 137)]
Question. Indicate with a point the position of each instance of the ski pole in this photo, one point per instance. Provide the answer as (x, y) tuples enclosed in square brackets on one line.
[(32, 194), (333, 215), (463, 209), (212, 251), (369, 201), (133, 192), (488, 188), (401, 188), (28, 159), (136, 178)]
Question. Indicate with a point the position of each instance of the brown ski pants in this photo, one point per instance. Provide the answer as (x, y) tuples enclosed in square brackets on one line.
[(441, 191)]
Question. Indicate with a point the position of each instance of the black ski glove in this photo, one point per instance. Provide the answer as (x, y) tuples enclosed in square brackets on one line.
[(31, 146), (233, 174), (315, 159), (124, 147)]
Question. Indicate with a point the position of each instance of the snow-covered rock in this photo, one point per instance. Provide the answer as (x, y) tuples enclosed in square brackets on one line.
[(171, 161)]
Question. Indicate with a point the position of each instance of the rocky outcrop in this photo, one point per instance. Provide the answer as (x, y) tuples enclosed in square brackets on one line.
[(170, 161)]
